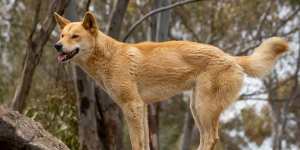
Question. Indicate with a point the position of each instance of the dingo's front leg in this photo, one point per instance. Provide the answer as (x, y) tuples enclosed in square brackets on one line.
[(135, 113)]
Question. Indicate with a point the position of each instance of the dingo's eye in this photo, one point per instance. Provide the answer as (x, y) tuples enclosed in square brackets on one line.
[(62, 36), (75, 36)]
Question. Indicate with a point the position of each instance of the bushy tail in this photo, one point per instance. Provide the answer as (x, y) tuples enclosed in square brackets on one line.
[(264, 57)]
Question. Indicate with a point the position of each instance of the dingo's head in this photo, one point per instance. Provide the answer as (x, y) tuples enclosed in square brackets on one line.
[(76, 38)]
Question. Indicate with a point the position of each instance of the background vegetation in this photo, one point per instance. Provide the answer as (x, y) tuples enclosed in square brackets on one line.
[(266, 116)]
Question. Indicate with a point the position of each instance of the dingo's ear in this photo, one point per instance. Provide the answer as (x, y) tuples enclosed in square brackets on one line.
[(89, 22), (61, 21)]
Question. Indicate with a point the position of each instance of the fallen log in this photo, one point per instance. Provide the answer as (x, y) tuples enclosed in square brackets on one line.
[(18, 132)]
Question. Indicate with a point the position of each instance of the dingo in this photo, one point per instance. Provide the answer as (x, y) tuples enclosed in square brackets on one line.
[(137, 74)]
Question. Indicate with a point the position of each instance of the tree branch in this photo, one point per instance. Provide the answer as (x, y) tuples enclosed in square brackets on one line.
[(246, 50), (294, 93), (154, 12), (35, 19), (87, 6), (35, 45), (183, 15), (287, 19), (263, 20)]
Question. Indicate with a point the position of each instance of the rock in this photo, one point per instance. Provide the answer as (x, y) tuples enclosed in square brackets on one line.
[(18, 132)]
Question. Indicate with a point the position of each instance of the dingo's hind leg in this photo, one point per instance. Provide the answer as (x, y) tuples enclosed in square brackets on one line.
[(211, 96)]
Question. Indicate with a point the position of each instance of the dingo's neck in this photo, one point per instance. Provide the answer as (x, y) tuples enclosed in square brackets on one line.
[(97, 61)]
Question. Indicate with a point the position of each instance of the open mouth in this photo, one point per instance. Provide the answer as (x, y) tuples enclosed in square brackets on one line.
[(64, 56)]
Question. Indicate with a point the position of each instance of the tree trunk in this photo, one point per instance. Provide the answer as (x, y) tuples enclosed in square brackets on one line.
[(159, 32), (275, 114), (18, 132), (88, 122), (276, 126), (36, 42), (187, 131), (153, 117), (116, 19), (23, 88)]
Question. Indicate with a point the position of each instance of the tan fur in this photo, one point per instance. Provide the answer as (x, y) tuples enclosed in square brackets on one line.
[(137, 74), (264, 57)]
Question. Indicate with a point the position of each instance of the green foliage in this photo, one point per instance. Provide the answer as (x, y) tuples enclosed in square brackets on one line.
[(262, 124), (295, 2), (171, 122), (56, 111), (3, 90)]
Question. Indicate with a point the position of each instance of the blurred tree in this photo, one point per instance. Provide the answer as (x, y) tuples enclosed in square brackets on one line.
[(36, 41), (187, 131)]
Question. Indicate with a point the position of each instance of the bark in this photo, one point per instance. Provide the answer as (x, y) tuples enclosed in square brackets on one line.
[(275, 112), (292, 98), (153, 120), (110, 125), (276, 126), (187, 131), (163, 21), (18, 132), (115, 20), (34, 51), (89, 135)]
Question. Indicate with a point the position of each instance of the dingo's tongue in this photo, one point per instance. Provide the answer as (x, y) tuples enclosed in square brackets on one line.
[(61, 57)]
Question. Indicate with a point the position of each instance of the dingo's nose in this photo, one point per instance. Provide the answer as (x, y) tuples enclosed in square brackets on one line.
[(58, 47)]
